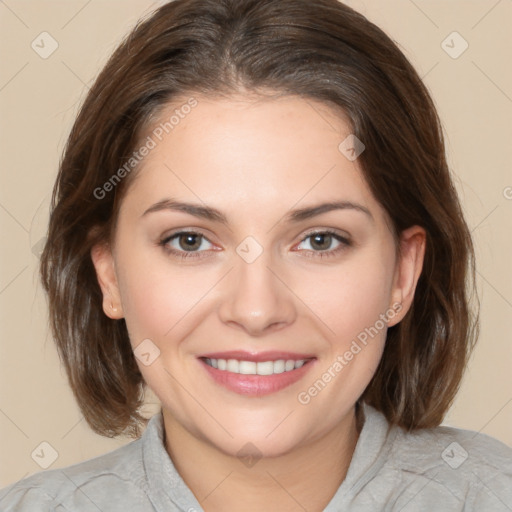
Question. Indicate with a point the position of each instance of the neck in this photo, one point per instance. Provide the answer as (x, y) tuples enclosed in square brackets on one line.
[(305, 478)]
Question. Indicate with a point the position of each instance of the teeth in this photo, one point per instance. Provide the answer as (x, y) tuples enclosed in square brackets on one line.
[(265, 368), (247, 367), (278, 366), (233, 366), (253, 368)]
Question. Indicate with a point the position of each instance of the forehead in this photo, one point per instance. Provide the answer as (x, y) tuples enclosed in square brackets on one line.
[(246, 153)]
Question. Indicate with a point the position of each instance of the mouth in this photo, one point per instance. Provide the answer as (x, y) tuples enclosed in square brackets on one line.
[(245, 367), (256, 374)]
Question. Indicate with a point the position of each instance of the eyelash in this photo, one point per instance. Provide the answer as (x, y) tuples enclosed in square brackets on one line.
[(197, 254)]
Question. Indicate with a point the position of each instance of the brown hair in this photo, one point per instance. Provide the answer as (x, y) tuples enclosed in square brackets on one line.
[(321, 50)]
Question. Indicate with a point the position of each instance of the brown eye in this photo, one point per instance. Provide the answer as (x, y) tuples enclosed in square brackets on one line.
[(189, 241), (321, 243), (185, 244)]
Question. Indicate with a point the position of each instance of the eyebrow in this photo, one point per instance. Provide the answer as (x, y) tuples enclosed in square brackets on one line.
[(294, 216)]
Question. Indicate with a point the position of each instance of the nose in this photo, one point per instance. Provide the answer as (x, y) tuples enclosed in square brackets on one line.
[(256, 299)]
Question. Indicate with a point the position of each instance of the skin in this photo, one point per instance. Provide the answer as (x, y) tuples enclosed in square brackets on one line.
[(255, 159)]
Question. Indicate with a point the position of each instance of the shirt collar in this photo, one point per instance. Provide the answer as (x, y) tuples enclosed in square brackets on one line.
[(164, 482), (166, 485), (372, 450)]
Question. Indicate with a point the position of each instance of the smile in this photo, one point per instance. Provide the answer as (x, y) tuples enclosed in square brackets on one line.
[(255, 368), (256, 374)]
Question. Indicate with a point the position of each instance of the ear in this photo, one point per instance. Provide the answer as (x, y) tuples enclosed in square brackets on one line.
[(408, 270), (103, 260)]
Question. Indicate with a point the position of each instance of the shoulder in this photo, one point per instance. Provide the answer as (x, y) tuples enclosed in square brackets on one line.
[(78, 486), (466, 466)]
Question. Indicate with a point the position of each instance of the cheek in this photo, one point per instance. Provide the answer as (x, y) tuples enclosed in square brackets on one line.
[(156, 296), (353, 297), (352, 303)]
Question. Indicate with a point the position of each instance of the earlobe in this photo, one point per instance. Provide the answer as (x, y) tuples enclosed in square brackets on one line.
[(103, 261), (408, 270)]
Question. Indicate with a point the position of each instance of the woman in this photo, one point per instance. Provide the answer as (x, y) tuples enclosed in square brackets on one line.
[(254, 218)]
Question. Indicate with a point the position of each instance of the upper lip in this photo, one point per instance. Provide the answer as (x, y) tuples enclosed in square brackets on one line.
[(242, 355)]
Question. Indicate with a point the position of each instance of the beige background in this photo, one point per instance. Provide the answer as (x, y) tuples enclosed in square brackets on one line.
[(39, 99)]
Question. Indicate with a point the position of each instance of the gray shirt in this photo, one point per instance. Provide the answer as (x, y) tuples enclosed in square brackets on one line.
[(439, 469)]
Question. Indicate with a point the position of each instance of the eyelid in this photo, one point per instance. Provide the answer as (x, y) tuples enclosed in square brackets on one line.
[(181, 231), (344, 239), (332, 231), (165, 239), (310, 232)]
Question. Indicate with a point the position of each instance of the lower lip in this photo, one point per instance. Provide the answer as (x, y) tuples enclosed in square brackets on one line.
[(256, 385)]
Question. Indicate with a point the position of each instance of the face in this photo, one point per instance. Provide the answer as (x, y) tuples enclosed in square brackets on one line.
[(257, 313)]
